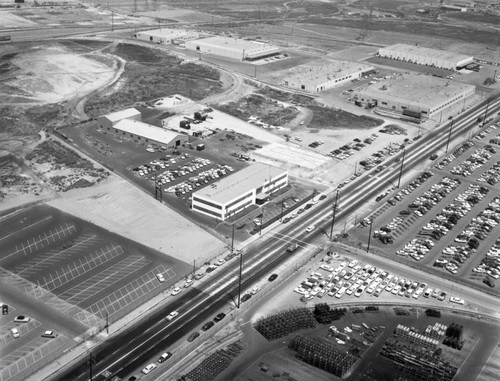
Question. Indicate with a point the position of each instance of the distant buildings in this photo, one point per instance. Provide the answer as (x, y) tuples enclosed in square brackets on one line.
[(233, 193), (417, 96), (316, 78), (235, 48), (167, 36), (127, 124), (425, 56)]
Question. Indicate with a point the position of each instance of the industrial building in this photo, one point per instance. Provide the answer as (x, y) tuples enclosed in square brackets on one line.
[(167, 36), (418, 96), (128, 124), (316, 78), (234, 48), (110, 120), (148, 133), (233, 193), (425, 56)]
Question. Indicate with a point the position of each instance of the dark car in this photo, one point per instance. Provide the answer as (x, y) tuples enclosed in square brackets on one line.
[(208, 325), (488, 282), (219, 317), (193, 336), (322, 197), (272, 277), (245, 297)]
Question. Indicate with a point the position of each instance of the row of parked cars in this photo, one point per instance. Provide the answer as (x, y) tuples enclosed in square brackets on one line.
[(200, 180), (454, 155), (26, 319), (345, 151), (473, 163), (352, 278)]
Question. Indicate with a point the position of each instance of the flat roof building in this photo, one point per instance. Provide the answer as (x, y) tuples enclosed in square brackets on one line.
[(148, 133), (320, 77), (234, 48), (416, 95), (233, 193), (167, 36), (112, 119), (425, 56)]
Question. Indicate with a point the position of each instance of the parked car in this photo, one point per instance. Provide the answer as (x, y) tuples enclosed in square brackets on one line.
[(208, 325), (160, 278), (193, 336), (176, 290), (49, 334), (21, 319), (149, 368), (15, 333), (245, 297), (272, 277), (219, 317), (457, 300), (164, 357)]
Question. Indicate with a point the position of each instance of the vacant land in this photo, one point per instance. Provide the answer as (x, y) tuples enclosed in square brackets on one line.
[(151, 74)]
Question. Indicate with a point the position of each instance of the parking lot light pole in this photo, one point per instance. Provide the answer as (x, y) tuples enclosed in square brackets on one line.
[(369, 236), (333, 214), (401, 170), (449, 134)]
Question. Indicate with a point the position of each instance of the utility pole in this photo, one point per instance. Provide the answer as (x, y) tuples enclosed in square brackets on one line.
[(239, 279), (333, 214), (449, 135), (369, 236), (281, 216), (107, 322), (401, 170), (485, 112), (261, 218), (194, 266), (232, 241), (91, 362)]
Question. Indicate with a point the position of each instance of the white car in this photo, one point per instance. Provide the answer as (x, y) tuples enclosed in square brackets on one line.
[(220, 262), (15, 333), (456, 300), (172, 315), (188, 283), (49, 334), (149, 368), (160, 278), (310, 228), (176, 290)]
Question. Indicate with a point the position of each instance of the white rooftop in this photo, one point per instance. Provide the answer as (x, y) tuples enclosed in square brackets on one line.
[(321, 72), (170, 33), (250, 47), (145, 130), (239, 183), (434, 53), (123, 114)]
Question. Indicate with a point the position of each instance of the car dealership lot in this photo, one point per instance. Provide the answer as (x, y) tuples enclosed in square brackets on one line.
[(449, 222)]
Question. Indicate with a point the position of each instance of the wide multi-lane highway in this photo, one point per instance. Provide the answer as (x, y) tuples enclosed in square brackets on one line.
[(124, 353)]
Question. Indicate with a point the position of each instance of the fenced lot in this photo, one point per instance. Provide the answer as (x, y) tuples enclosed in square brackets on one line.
[(80, 270)]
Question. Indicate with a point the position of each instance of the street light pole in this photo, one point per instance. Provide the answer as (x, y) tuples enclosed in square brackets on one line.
[(449, 134), (369, 236), (333, 214), (239, 281), (401, 170), (261, 218), (485, 112), (232, 241)]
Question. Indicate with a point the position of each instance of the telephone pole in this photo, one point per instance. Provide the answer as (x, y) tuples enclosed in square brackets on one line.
[(449, 135), (333, 214), (401, 170), (239, 279), (369, 236)]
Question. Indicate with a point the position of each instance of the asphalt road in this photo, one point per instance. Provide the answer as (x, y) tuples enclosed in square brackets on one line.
[(123, 354)]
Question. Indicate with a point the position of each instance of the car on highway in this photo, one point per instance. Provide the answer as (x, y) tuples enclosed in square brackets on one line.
[(272, 277), (15, 333), (149, 368), (49, 334), (310, 228), (454, 299), (164, 357), (207, 325), (245, 297), (172, 315), (160, 278), (176, 291), (21, 319), (219, 317)]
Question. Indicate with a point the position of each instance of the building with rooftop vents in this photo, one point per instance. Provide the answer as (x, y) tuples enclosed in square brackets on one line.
[(419, 96), (167, 36), (235, 48), (234, 193), (425, 56), (315, 78)]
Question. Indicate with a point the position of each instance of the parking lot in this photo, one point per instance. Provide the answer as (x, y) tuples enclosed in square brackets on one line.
[(447, 220), (69, 276)]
